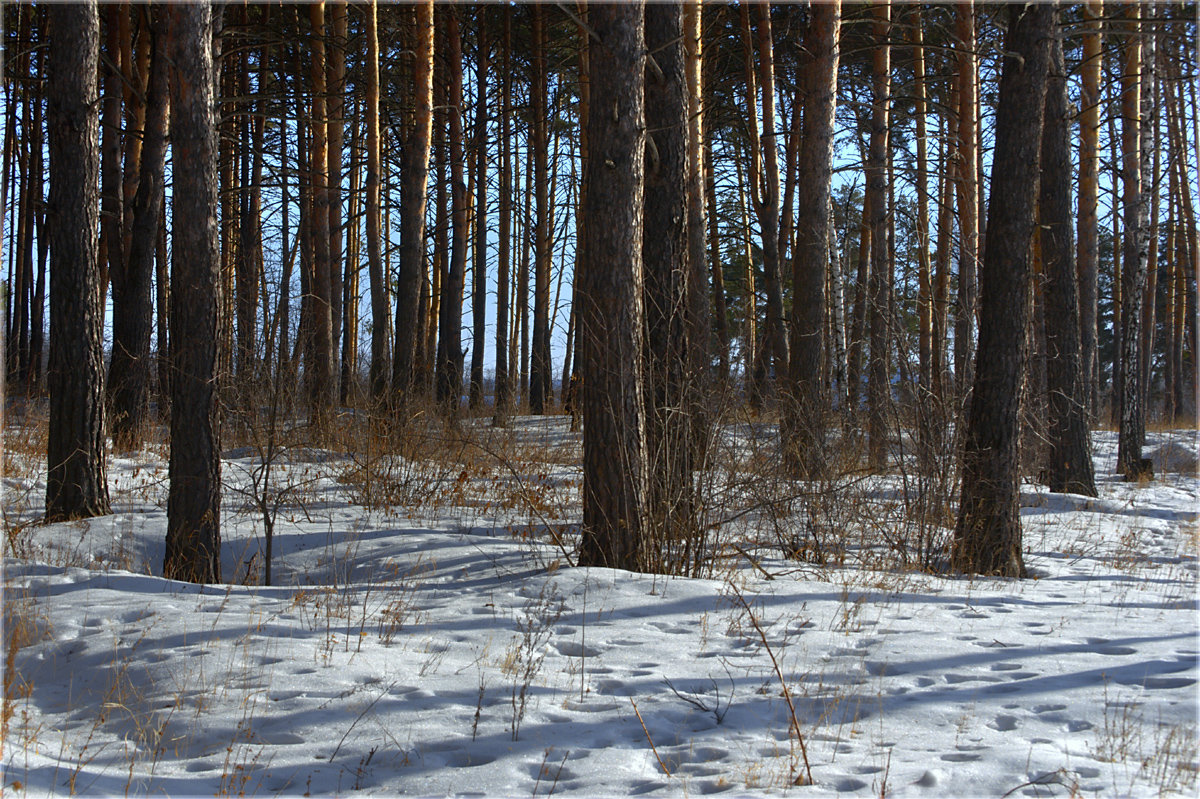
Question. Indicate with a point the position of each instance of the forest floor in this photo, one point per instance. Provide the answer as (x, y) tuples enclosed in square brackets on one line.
[(426, 634)]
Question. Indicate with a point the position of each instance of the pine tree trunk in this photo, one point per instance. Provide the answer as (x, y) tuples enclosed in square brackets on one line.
[(1069, 449), (479, 271), (715, 265), (698, 383), (539, 368), (129, 373), (1088, 251), (350, 284), (111, 258), (380, 305), (1132, 430), (876, 211), (665, 284), (503, 400), (610, 311), (987, 537), (76, 480), (449, 349), (319, 367), (806, 410), (968, 199), (927, 408), (335, 66), (414, 177), (193, 549)]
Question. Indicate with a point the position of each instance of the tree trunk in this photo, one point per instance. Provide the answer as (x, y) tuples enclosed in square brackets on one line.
[(1070, 453), (193, 550), (610, 311), (350, 284), (319, 368), (380, 306), (129, 372), (968, 198), (717, 268), (876, 210), (335, 71), (539, 368), (479, 272), (805, 412), (929, 418), (665, 285), (1088, 251), (987, 537), (76, 481), (111, 259), (503, 401), (449, 349), (764, 187), (412, 199), (699, 325), (1132, 430)]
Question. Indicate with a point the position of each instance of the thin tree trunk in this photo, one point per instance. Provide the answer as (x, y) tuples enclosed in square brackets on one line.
[(1088, 251), (968, 198), (129, 373), (380, 306), (350, 292), (539, 368), (878, 287), (111, 260), (665, 285), (699, 326), (503, 399), (449, 350), (335, 65), (928, 422), (1132, 430), (716, 267), (479, 276), (415, 175), (1069, 467), (319, 369)]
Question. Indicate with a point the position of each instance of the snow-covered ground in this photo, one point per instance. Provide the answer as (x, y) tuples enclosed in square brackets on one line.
[(444, 645)]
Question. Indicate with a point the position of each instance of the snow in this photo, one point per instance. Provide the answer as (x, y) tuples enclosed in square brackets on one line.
[(446, 647)]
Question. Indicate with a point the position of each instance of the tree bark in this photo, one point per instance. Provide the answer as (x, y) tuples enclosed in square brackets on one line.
[(610, 311), (479, 271), (412, 198), (319, 368), (503, 401), (987, 537), (193, 549), (76, 480), (876, 211), (806, 410), (335, 72), (449, 348), (380, 305), (539, 368), (129, 372), (1132, 430), (1088, 257), (666, 274), (699, 318), (968, 198), (1070, 453)]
